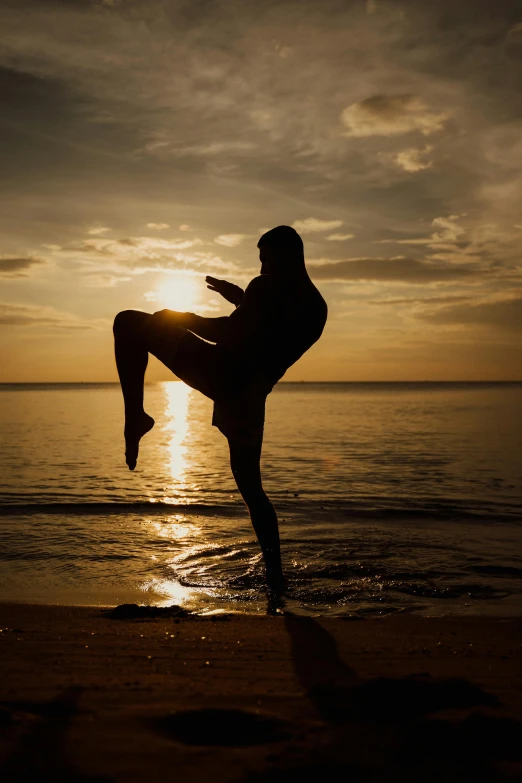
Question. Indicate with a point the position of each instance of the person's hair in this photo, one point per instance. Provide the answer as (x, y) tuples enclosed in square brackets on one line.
[(286, 239)]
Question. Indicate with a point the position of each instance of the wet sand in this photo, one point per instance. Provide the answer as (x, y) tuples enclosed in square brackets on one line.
[(87, 697)]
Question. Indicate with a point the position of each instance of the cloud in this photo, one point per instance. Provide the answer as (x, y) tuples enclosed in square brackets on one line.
[(515, 33), (339, 237), (411, 159), (391, 115), (98, 231), (175, 261), (314, 225), (105, 280), (230, 240), (398, 269), (158, 226), (129, 246), (447, 229), (162, 146), (501, 313), (29, 315), (112, 260), (184, 227), (18, 266), (448, 233), (405, 300)]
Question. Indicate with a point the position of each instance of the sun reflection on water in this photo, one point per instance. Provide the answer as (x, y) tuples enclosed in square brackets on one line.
[(175, 528), (177, 428), (170, 591)]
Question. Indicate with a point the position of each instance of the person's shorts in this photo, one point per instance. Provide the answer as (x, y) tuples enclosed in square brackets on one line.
[(238, 389)]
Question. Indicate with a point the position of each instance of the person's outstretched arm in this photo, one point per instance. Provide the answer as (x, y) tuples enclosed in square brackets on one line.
[(254, 309), (229, 291)]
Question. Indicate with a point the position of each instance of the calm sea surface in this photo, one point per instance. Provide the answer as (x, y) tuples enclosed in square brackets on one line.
[(390, 497)]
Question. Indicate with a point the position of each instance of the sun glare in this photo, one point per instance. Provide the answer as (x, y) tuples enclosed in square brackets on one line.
[(177, 292)]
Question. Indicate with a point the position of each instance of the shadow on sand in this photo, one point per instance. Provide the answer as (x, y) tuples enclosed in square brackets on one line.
[(384, 729), (39, 756), (367, 729)]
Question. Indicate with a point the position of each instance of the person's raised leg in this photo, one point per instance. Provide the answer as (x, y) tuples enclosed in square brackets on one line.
[(132, 357), (137, 334), (245, 464)]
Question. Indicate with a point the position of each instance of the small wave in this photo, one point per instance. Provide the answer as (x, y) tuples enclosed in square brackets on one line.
[(65, 557), (386, 590), (497, 570), (450, 592), (92, 509), (332, 586), (306, 511)]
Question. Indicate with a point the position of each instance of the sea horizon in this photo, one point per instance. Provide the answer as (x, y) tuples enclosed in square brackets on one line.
[(279, 383)]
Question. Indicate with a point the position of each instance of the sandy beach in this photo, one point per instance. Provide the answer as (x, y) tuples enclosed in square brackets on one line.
[(86, 696)]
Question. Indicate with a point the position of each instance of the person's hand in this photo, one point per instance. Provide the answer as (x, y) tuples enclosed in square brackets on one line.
[(232, 293)]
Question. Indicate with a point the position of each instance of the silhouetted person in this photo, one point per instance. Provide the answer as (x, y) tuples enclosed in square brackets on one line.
[(279, 316)]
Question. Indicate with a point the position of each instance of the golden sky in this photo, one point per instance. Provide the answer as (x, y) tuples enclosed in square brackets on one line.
[(146, 143)]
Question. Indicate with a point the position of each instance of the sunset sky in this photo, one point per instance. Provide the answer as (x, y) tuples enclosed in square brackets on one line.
[(147, 143)]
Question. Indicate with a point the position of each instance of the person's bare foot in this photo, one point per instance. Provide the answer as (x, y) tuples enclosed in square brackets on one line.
[(134, 432), (275, 593), (276, 582)]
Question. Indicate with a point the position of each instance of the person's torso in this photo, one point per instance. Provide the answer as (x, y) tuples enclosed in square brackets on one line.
[(276, 330)]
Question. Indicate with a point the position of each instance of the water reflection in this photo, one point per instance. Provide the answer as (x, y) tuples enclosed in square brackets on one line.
[(166, 592), (176, 528), (177, 428)]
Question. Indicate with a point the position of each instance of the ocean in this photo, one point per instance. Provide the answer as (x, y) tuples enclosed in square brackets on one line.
[(390, 496)]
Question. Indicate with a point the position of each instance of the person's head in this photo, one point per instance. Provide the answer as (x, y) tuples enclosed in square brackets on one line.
[(281, 251)]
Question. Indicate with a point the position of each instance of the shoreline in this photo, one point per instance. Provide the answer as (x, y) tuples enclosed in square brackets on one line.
[(259, 609), (244, 697)]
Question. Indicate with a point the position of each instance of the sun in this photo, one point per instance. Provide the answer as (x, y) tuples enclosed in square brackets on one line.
[(176, 292)]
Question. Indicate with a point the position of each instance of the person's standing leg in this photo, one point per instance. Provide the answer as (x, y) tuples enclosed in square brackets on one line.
[(245, 464)]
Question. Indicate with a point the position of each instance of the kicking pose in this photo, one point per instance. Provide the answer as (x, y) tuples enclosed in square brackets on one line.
[(279, 316)]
